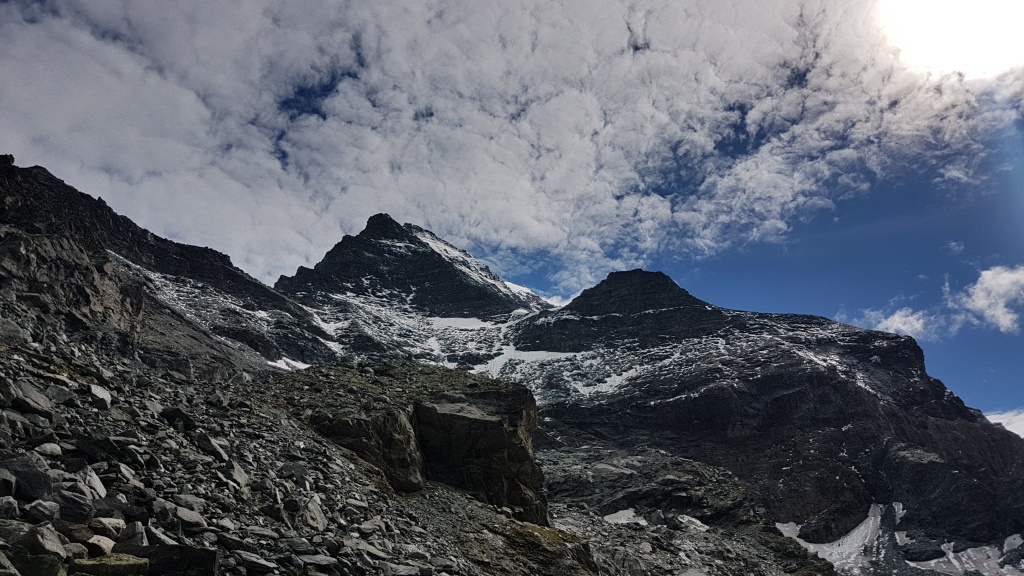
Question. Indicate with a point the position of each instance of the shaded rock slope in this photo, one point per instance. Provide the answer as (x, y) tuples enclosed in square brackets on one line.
[(154, 417)]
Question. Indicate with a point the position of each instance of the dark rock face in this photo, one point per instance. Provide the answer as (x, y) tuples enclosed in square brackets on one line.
[(820, 419), (406, 262), (469, 432), (58, 241), (482, 442), (639, 307)]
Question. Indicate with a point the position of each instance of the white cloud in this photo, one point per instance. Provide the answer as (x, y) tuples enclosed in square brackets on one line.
[(916, 323), (994, 300), (596, 134), (1013, 420), (955, 247)]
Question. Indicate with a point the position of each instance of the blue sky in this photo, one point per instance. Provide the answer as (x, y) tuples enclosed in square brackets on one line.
[(823, 157)]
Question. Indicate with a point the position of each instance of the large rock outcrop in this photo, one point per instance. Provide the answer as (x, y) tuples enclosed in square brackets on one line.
[(417, 424)]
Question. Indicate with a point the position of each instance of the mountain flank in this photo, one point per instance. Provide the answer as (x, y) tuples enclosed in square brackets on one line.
[(398, 409)]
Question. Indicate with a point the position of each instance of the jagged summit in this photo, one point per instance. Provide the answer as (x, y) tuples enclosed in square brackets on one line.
[(631, 292), (409, 264), (382, 225)]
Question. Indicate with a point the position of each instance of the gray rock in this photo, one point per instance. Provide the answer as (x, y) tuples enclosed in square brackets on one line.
[(41, 511), (254, 562), (175, 560), (73, 506), (88, 477), (298, 545), (8, 483), (178, 418), (210, 447), (399, 570), (49, 450), (9, 508), (29, 400), (134, 533), (31, 472), (6, 567), (158, 537), (311, 514), (317, 560), (10, 332), (191, 502), (38, 565), (44, 540), (101, 397), (232, 542), (99, 545), (190, 520), (237, 475), (109, 527), (76, 550), (60, 395)]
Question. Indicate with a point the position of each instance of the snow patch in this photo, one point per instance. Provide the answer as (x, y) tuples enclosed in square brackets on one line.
[(1012, 543), (465, 323), (847, 553), (289, 364), (521, 290), (900, 511), (983, 560), (627, 516), (493, 367)]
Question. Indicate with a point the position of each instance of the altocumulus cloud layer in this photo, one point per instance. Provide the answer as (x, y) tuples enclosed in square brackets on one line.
[(589, 134)]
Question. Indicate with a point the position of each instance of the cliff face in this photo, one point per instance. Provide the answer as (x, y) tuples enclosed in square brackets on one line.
[(421, 424), (821, 419)]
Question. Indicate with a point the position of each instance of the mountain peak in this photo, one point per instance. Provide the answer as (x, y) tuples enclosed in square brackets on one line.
[(631, 292), (411, 265), (382, 225)]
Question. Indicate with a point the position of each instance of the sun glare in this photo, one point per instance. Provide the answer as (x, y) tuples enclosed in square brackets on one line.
[(980, 38)]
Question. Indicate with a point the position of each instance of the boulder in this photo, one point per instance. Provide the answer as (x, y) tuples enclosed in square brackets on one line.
[(99, 545), (40, 511), (29, 400), (484, 445), (385, 438), (211, 447), (30, 471), (38, 565), (73, 506), (112, 565), (254, 562), (175, 560), (101, 397), (43, 540)]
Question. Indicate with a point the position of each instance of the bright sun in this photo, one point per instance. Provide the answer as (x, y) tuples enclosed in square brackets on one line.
[(980, 38)]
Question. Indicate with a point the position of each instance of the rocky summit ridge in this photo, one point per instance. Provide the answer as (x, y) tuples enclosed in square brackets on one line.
[(398, 409)]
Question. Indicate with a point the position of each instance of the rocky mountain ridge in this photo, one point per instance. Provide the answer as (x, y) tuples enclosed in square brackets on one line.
[(673, 435)]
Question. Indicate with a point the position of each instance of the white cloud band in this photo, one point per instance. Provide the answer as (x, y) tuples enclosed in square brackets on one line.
[(594, 133)]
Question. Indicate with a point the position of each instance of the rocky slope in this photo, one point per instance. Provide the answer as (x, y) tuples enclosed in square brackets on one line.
[(136, 437), (408, 264), (147, 381)]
